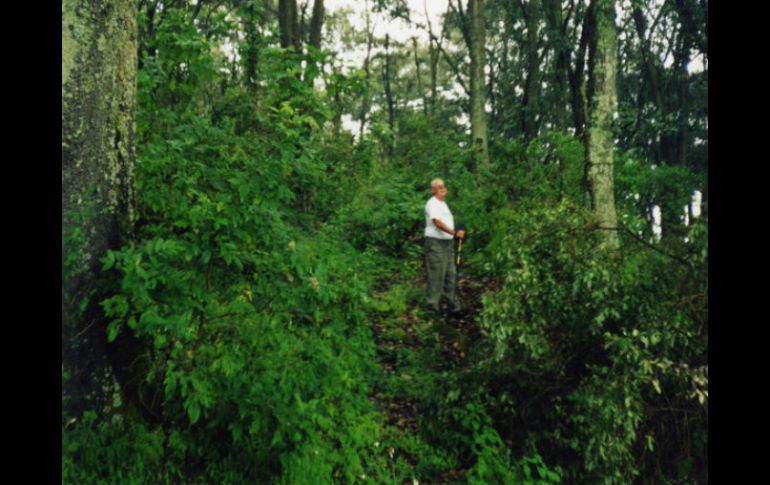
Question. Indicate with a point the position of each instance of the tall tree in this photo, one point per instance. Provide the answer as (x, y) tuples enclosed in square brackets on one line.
[(532, 82), (250, 18), (603, 105), (478, 86), (288, 23), (365, 101), (316, 23), (420, 91), (557, 34), (99, 61), (314, 39), (577, 74), (293, 31), (434, 51), (386, 75)]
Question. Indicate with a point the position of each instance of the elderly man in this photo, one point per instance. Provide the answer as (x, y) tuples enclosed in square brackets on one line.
[(439, 258)]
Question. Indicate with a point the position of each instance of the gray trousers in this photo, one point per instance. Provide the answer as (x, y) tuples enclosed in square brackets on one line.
[(440, 266)]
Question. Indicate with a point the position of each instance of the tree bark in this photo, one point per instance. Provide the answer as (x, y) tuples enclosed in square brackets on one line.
[(250, 54), (316, 23), (420, 92), (389, 96), (480, 154), (650, 90), (577, 75), (365, 100), (435, 54), (288, 23), (532, 82), (603, 105), (99, 61), (561, 48)]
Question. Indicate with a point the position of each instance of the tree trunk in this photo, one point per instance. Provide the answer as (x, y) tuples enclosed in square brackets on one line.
[(316, 23), (99, 60), (435, 54), (532, 82), (561, 60), (480, 155), (577, 76), (650, 90), (603, 105), (288, 23), (420, 92), (365, 100), (250, 54), (389, 96)]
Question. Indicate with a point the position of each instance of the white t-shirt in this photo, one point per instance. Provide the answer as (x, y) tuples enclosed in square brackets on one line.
[(436, 209)]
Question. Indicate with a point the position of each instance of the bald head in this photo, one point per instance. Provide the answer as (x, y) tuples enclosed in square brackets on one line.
[(438, 188)]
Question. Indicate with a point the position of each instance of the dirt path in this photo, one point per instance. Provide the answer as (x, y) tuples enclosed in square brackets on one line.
[(405, 335)]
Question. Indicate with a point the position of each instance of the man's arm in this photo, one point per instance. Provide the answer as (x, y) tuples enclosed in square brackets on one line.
[(445, 228)]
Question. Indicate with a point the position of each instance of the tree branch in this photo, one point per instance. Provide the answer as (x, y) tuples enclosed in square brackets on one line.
[(649, 245)]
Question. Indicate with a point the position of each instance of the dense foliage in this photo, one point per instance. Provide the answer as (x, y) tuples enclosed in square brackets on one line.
[(268, 241)]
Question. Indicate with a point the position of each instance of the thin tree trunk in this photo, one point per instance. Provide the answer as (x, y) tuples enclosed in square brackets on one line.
[(288, 24), (365, 100), (389, 96), (316, 26), (316, 23), (557, 27), (577, 76), (251, 54), (649, 90), (600, 142), (285, 22), (419, 78), (435, 56), (532, 82), (479, 150)]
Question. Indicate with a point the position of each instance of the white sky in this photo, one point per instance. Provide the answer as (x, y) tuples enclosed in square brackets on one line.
[(398, 29)]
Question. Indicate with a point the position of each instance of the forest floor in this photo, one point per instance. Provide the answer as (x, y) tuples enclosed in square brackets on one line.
[(411, 345)]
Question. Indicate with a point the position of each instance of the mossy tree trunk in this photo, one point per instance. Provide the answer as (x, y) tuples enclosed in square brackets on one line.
[(99, 60), (603, 105), (478, 84)]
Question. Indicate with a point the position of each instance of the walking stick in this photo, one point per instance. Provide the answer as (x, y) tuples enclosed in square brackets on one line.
[(460, 227), (458, 258)]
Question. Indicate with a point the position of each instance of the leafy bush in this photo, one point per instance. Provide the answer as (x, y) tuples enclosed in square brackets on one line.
[(385, 214), (120, 450), (578, 337)]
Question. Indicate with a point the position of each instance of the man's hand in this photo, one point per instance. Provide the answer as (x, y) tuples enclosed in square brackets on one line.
[(460, 234)]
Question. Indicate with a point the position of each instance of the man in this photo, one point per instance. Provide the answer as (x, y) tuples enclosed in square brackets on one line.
[(439, 258)]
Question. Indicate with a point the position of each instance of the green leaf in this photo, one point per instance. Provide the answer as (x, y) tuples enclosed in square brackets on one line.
[(194, 411), (112, 330)]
